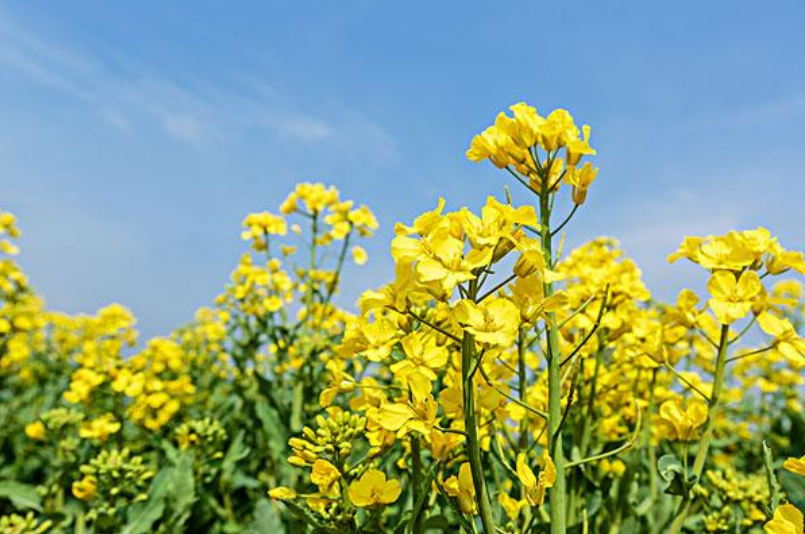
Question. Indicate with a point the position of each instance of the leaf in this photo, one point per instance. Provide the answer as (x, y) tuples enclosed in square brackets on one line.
[(237, 451), (673, 472), (266, 519), (143, 515), (22, 495), (183, 493)]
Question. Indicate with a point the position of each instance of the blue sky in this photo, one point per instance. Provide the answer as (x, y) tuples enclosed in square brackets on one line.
[(134, 136)]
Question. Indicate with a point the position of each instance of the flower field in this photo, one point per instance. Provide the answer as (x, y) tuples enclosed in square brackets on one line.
[(499, 383)]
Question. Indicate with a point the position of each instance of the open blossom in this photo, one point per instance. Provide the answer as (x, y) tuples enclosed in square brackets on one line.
[(372, 489), (787, 520), (462, 488), (679, 421), (732, 297), (535, 486), (494, 321)]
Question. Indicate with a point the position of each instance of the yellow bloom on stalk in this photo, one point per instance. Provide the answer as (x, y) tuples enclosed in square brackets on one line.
[(422, 357), (282, 493), (315, 198), (510, 141), (326, 476), (535, 487), (260, 225), (495, 321), (418, 416), (85, 488), (527, 295), (732, 298), (781, 260), (462, 488), (680, 422), (581, 179), (576, 148), (495, 223), (372, 489), (100, 428), (733, 252), (35, 430), (786, 338), (440, 257), (787, 520), (795, 465)]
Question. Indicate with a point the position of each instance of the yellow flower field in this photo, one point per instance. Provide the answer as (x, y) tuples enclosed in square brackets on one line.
[(499, 383)]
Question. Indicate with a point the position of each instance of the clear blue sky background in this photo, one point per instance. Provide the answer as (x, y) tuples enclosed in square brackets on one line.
[(134, 136)]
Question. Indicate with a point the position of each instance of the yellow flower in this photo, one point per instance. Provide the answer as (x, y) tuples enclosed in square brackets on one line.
[(795, 465), (534, 487), (576, 148), (422, 357), (733, 252), (787, 520), (511, 506), (85, 488), (732, 299), (373, 489), (418, 416), (679, 422), (100, 428), (359, 255), (495, 321), (786, 338), (35, 430), (282, 493), (462, 488), (325, 475), (581, 180)]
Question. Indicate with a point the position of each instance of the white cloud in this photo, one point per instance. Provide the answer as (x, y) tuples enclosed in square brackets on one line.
[(183, 127), (133, 98)]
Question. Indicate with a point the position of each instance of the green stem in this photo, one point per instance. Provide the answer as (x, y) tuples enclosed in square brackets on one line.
[(707, 431), (555, 445), (522, 384), (471, 426)]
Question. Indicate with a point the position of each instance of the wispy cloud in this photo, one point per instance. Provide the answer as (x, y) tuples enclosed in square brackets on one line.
[(139, 99)]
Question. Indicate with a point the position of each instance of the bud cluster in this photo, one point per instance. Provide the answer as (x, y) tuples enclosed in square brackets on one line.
[(333, 438)]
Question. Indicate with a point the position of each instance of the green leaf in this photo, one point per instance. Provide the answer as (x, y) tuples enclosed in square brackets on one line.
[(673, 472), (266, 519), (22, 495), (183, 489), (237, 451), (142, 516)]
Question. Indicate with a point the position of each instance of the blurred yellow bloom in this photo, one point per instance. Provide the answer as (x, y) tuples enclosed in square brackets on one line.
[(85, 488), (282, 493), (100, 428), (359, 255), (795, 465), (787, 520), (35, 430)]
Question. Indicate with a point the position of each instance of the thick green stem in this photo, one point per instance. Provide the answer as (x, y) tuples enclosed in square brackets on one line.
[(471, 426), (707, 431), (555, 446), (522, 385)]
